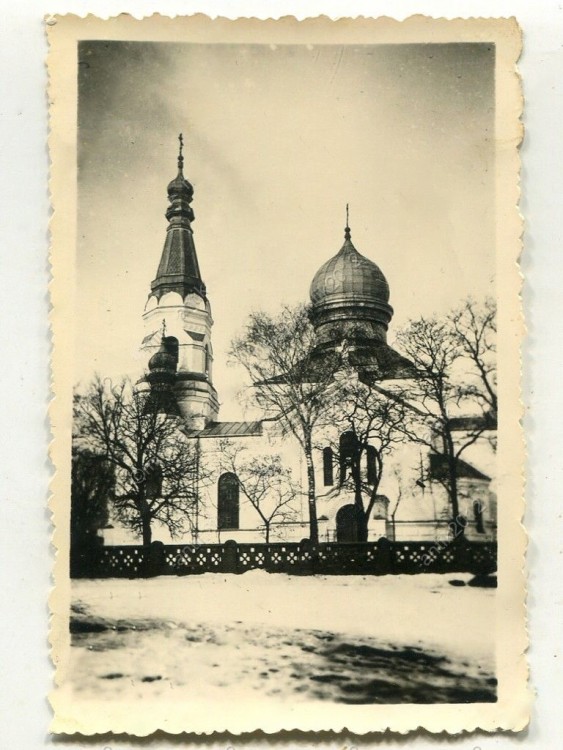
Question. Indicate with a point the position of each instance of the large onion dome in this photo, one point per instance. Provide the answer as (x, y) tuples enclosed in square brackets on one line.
[(350, 293)]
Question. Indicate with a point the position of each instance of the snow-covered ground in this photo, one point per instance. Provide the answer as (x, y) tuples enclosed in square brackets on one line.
[(348, 639)]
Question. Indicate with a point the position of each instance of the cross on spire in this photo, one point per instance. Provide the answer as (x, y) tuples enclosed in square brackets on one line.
[(180, 152), (347, 233)]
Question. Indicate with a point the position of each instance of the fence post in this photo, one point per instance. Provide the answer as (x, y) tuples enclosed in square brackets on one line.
[(309, 557), (230, 557), (384, 560), (154, 560)]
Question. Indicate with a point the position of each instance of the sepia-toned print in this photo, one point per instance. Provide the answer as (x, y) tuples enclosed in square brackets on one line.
[(286, 370)]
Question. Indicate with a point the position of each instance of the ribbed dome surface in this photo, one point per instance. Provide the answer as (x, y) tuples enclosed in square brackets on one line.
[(349, 274)]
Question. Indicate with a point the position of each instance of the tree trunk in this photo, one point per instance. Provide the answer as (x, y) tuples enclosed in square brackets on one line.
[(361, 515), (452, 475), (147, 531), (313, 523)]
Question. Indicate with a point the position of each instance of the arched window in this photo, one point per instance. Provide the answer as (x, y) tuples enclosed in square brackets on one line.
[(207, 360), (371, 455), (348, 442), (228, 501), (328, 472)]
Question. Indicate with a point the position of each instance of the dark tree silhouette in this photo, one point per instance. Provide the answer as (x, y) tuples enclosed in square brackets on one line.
[(156, 466), (92, 488)]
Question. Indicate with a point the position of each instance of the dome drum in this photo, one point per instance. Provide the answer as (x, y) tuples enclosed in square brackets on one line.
[(347, 308), (350, 325)]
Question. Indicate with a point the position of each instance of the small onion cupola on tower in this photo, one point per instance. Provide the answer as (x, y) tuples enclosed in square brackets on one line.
[(161, 377), (350, 304), (178, 297)]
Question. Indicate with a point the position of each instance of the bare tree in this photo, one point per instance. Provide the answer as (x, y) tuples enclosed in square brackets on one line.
[(289, 382), (264, 482), (475, 329), (371, 424), (442, 389), (156, 467)]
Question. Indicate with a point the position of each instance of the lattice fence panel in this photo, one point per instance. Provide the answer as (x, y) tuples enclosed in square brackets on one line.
[(378, 558), (121, 562)]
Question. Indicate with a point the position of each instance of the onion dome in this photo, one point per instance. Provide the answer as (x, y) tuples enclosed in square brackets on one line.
[(178, 270), (180, 187), (162, 377), (350, 289), (349, 274), (162, 361), (165, 360)]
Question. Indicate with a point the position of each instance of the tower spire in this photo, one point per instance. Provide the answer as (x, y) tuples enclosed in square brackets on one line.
[(347, 233), (178, 270), (178, 317)]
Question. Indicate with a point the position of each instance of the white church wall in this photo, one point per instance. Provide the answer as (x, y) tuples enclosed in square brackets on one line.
[(251, 526), (417, 510)]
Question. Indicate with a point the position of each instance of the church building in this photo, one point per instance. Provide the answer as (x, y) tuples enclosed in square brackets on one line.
[(350, 294)]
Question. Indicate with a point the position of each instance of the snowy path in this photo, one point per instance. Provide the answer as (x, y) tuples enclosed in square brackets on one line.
[(347, 639)]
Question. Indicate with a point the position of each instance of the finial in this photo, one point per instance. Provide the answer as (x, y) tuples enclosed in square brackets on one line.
[(180, 155), (347, 233)]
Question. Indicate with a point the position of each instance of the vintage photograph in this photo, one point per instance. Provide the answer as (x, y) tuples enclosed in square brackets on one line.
[(285, 476)]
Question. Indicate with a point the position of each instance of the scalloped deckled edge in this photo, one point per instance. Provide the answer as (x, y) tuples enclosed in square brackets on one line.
[(511, 712)]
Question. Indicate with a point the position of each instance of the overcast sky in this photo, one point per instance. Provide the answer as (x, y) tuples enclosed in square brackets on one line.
[(278, 140)]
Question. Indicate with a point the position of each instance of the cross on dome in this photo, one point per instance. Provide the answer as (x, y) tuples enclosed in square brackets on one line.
[(180, 152), (347, 232)]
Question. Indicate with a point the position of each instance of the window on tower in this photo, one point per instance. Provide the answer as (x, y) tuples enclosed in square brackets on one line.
[(228, 501)]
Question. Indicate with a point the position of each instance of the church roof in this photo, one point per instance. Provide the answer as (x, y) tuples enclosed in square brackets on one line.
[(379, 361), (439, 468), (229, 429), (474, 423)]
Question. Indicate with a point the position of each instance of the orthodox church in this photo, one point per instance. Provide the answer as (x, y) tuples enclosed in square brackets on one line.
[(349, 294)]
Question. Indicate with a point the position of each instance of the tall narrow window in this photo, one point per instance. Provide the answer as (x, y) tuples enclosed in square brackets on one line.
[(228, 501), (371, 455), (347, 449), (207, 360), (328, 464), (478, 514)]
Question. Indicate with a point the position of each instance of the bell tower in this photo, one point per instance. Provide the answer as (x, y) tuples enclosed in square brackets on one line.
[(179, 305)]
